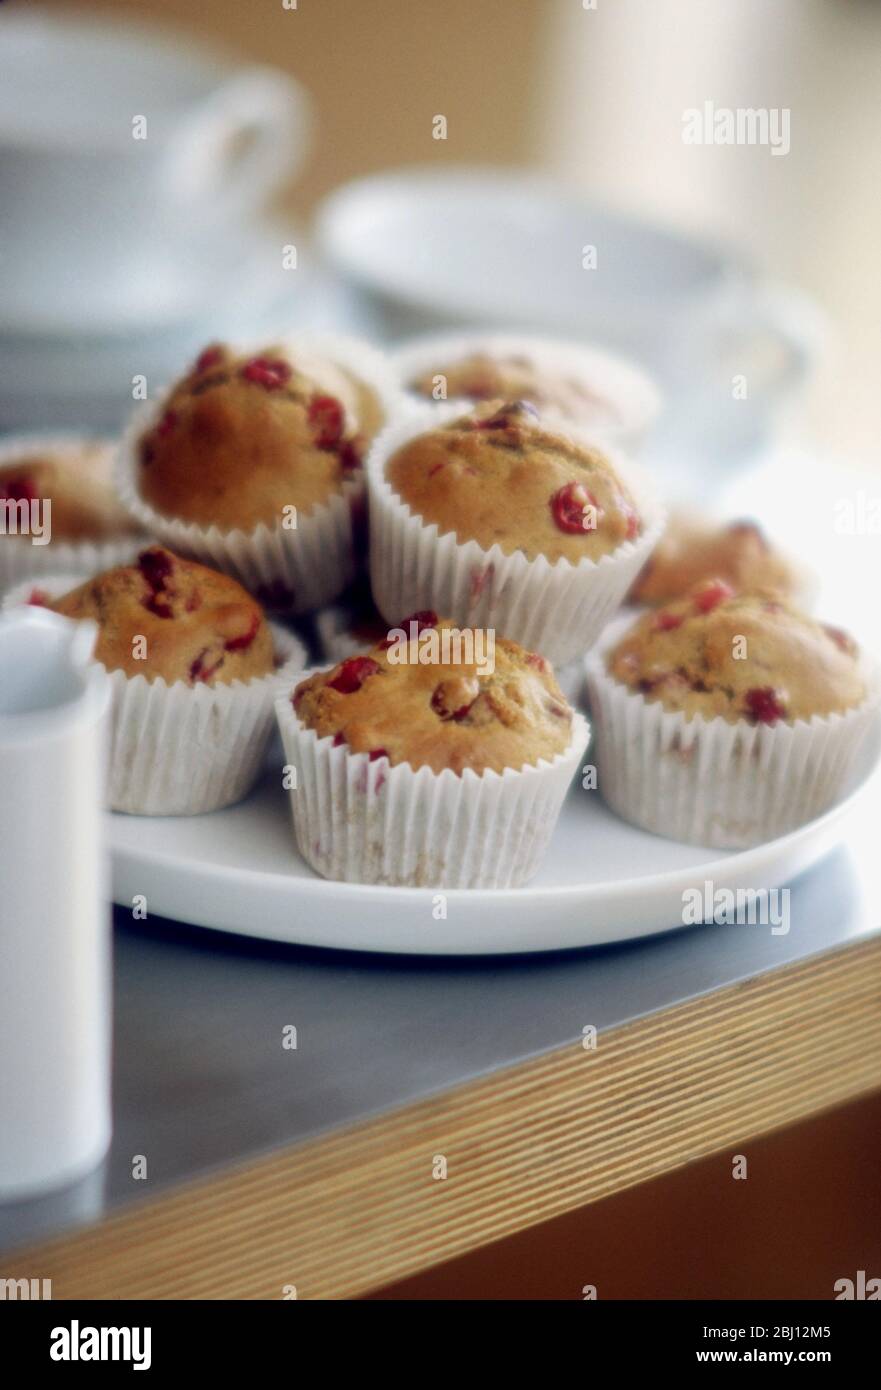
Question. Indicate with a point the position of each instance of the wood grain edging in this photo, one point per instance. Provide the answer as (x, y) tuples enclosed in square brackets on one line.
[(359, 1208)]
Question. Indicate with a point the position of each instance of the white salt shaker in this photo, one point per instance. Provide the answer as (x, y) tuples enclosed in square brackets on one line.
[(55, 952)]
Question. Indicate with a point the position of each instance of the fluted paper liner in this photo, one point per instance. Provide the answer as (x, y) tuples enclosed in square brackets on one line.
[(708, 782), (181, 750), (20, 560), (558, 610), (630, 391), (367, 822), (296, 570)]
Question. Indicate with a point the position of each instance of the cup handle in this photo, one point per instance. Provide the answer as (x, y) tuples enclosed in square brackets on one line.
[(801, 329), (791, 325), (241, 143)]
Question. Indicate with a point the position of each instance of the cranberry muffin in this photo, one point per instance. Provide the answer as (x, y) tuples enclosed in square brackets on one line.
[(478, 376), (584, 386), (720, 653), (506, 520), (197, 626), (446, 715), (78, 485), (498, 476), (242, 437), (64, 483), (692, 549), (252, 462), (728, 718), (194, 670), (430, 760)]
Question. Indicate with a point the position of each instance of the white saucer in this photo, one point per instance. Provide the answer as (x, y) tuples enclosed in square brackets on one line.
[(237, 267), (78, 380), (238, 871)]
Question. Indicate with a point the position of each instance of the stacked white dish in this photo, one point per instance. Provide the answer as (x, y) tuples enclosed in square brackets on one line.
[(135, 171)]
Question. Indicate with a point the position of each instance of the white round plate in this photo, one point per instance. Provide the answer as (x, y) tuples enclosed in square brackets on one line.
[(238, 871)]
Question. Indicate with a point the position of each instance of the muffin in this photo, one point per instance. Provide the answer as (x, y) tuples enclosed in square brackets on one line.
[(506, 520), (81, 526), (587, 387), (352, 629), (726, 719), (441, 758), (169, 619), (694, 549), (252, 463), (194, 668)]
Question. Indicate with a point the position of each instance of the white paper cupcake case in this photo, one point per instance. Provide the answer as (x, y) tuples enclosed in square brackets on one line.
[(557, 610), (366, 822), (296, 570), (180, 750), (708, 782), (632, 393), (20, 560)]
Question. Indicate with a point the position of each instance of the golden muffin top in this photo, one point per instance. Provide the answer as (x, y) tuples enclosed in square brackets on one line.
[(692, 550), (242, 439), (434, 695), (510, 376), (77, 481), (171, 618), (498, 476), (740, 656)]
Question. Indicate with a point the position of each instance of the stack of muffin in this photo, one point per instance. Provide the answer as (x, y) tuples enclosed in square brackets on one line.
[(486, 485)]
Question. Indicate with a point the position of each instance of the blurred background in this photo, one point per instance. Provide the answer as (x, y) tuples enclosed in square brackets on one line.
[(593, 97), (234, 211)]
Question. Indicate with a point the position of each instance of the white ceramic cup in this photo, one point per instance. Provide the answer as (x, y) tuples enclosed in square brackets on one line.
[(116, 143), (429, 250), (55, 988)]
